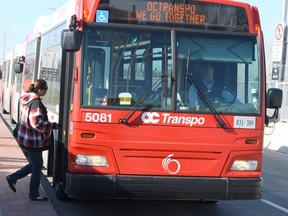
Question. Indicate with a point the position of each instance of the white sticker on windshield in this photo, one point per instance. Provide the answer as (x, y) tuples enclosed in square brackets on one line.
[(244, 122)]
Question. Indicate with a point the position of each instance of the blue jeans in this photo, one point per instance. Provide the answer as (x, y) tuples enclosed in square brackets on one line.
[(34, 167)]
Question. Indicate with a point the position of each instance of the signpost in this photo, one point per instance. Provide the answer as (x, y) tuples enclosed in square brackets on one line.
[(279, 52)]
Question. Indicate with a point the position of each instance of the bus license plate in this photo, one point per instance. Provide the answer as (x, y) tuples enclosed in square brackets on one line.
[(244, 122)]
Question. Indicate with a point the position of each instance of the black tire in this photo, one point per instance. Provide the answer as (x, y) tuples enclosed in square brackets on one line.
[(12, 121), (60, 192), (4, 111)]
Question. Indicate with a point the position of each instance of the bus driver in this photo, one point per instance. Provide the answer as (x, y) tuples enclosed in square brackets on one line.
[(208, 84)]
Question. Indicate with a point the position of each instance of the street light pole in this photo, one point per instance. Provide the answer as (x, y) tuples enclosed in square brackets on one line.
[(284, 20), (4, 48), (284, 11)]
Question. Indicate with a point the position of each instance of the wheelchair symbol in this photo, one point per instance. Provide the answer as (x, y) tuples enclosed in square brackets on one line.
[(102, 16)]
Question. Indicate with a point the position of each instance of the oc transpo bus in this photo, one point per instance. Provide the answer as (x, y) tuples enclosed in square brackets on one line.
[(12, 81), (119, 76), (6, 81)]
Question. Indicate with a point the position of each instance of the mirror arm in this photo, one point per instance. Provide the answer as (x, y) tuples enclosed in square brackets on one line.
[(274, 118), (73, 23)]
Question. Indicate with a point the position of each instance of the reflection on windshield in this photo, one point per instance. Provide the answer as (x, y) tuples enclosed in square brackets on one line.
[(222, 72), (122, 65)]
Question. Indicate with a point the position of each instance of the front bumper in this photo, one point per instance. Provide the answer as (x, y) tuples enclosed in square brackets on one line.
[(162, 187)]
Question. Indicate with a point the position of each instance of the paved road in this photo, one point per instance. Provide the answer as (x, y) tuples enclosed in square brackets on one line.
[(275, 174)]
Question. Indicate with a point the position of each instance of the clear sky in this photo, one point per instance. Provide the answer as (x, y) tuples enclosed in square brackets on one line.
[(18, 19), (270, 14)]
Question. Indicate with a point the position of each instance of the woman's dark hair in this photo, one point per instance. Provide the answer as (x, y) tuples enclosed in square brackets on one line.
[(38, 84)]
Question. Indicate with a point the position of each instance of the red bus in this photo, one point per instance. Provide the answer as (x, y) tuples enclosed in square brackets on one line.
[(120, 87)]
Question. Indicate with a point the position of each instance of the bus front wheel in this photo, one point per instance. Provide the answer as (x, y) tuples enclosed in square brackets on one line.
[(60, 191)]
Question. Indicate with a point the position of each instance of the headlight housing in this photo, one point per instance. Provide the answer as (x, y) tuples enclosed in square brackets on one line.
[(244, 165), (91, 160)]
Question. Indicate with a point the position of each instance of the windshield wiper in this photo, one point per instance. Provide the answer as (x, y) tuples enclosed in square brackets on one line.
[(136, 106), (185, 96), (203, 97), (207, 102)]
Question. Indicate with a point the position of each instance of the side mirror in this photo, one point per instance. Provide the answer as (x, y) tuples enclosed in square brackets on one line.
[(71, 40), (274, 98), (273, 101), (18, 68)]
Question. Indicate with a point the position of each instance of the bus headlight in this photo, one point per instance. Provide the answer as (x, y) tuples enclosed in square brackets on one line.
[(91, 160), (244, 165)]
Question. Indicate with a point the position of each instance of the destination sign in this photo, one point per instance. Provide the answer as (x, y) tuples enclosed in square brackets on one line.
[(173, 13)]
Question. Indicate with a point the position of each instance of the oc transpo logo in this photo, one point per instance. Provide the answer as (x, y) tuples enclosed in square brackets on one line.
[(167, 118), (150, 117), (172, 166)]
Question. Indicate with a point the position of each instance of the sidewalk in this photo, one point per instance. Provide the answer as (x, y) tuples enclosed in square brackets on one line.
[(11, 159), (276, 137)]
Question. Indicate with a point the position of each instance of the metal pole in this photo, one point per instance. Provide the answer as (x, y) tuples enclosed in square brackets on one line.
[(284, 18), (284, 11), (4, 47)]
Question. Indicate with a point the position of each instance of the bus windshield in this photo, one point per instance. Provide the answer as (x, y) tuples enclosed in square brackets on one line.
[(161, 69)]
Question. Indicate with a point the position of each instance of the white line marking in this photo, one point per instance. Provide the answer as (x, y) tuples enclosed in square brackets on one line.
[(275, 205)]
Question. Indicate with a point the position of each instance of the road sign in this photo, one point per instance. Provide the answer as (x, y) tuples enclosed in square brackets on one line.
[(275, 70), (279, 31), (279, 51), (278, 44)]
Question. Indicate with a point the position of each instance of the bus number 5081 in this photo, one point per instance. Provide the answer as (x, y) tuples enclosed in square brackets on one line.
[(98, 117)]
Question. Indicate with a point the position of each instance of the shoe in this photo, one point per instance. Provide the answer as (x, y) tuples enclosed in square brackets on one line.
[(11, 184), (39, 199)]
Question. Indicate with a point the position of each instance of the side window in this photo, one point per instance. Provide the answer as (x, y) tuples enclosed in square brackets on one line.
[(8, 65), (50, 66), (248, 83), (96, 76)]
